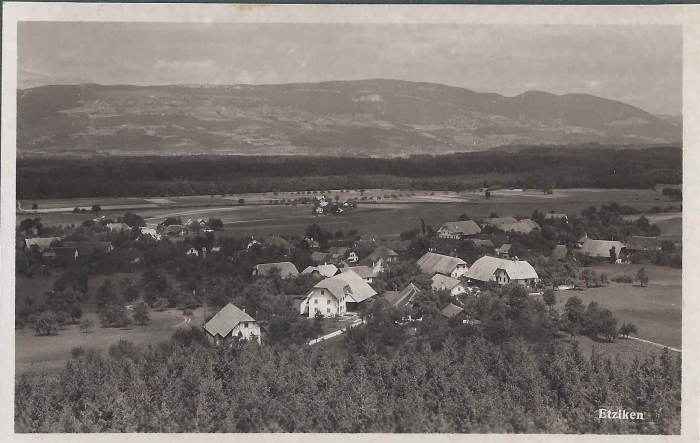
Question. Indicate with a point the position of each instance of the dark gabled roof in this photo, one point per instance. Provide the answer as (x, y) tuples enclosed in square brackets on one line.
[(523, 226), (225, 320), (286, 268), (431, 263), (643, 244), (497, 221), (467, 227), (482, 243), (320, 257), (402, 298), (87, 248), (451, 310), (601, 248), (174, 229), (559, 252), (556, 216), (382, 252), (277, 241), (64, 252)]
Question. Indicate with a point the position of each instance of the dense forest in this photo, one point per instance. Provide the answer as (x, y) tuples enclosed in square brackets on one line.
[(463, 384), (540, 168)]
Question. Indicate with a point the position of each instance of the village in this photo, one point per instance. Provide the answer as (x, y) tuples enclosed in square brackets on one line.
[(339, 275)]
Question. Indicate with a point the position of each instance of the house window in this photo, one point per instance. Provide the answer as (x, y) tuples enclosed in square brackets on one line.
[(328, 302), (323, 292), (328, 310), (245, 325), (315, 301)]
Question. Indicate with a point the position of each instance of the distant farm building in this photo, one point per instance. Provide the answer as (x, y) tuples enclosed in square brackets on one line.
[(497, 221), (557, 217), (40, 242), (504, 251), (286, 269), (445, 283), (458, 229), (87, 248), (382, 253), (601, 248), (404, 298), (524, 226), (232, 322), (432, 263), (502, 271), (639, 244)]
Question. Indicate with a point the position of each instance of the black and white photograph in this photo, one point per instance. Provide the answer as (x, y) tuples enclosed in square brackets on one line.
[(343, 220)]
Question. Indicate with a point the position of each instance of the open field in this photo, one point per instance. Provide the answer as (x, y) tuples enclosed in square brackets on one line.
[(387, 217), (670, 223), (35, 354), (655, 309)]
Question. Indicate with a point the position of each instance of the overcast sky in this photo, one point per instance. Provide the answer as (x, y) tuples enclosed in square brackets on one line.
[(639, 65)]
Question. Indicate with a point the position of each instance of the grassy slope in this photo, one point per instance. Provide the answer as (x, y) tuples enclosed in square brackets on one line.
[(654, 309)]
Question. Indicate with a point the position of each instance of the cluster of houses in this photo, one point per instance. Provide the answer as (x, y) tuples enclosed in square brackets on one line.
[(323, 206), (175, 230)]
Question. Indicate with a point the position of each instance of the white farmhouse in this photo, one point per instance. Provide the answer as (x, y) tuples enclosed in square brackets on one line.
[(336, 295), (232, 322)]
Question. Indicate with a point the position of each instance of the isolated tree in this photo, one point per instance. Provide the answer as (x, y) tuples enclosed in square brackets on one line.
[(46, 324), (464, 217), (66, 301), (493, 215), (77, 352), (86, 325), (643, 276), (35, 206), (574, 316), (613, 254), (241, 201), (549, 298), (161, 304), (105, 294), (141, 316), (487, 194), (215, 223), (604, 279), (628, 328), (114, 315), (96, 208)]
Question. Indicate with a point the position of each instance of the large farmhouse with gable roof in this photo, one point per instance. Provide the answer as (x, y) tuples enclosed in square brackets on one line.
[(336, 295), (502, 271), (458, 229), (432, 263), (232, 322)]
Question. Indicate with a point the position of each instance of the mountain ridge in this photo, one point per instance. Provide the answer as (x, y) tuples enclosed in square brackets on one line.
[(373, 117)]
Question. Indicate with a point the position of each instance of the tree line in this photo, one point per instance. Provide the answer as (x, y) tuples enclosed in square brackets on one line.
[(534, 168)]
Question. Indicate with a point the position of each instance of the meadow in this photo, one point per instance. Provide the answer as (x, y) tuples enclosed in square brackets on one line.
[(48, 354), (389, 216), (655, 309)]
